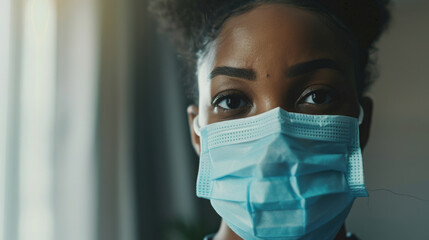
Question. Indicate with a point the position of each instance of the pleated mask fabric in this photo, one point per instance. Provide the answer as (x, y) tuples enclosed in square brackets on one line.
[(282, 175)]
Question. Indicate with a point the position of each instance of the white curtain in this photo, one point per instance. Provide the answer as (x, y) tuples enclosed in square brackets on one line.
[(58, 179), (5, 87)]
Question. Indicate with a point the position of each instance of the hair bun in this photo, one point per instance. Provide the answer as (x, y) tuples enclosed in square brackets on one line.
[(184, 18), (367, 19), (187, 19)]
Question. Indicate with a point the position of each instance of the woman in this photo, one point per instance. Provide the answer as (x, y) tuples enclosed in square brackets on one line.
[(280, 115)]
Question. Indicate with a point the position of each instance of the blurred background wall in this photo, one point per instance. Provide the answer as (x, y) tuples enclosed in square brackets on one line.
[(396, 157), (94, 139)]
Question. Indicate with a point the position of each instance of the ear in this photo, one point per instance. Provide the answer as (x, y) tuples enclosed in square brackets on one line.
[(364, 128), (192, 113)]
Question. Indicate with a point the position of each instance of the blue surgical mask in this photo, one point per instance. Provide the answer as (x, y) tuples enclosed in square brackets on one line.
[(281, 175)]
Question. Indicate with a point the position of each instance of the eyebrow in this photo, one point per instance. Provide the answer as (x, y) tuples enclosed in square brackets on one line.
[(244, 73), (293, 71), (307, 67)]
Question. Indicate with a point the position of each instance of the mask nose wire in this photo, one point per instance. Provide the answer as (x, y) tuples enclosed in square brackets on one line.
[(196, 125)]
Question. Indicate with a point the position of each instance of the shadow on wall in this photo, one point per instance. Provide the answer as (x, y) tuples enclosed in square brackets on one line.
[(396, 157), (165, 163)]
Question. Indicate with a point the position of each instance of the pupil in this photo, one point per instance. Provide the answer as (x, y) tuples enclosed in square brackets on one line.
[(319, 98), (233, 102)]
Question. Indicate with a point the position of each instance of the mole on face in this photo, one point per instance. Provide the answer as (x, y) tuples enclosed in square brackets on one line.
[(268, 75)]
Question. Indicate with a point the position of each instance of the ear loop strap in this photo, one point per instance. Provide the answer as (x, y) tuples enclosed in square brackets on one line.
[(361, 114), (196, 125)]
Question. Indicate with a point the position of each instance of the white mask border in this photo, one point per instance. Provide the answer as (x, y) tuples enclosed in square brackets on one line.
[(196, 124)]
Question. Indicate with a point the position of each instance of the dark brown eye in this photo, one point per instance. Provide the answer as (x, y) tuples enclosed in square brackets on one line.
[(231, 102), (318, 97)]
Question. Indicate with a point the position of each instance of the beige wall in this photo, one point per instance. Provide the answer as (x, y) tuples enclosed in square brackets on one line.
[(397, 156)]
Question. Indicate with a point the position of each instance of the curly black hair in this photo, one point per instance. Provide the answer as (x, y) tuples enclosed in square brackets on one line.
[(196, 23)]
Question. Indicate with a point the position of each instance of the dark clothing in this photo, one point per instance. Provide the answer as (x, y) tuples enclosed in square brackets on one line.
[(349, 236)]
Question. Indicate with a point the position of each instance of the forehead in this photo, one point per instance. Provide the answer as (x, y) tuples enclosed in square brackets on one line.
[(273, 35)]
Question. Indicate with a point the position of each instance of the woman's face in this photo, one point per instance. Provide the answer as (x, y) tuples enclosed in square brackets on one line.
[(276, 55)]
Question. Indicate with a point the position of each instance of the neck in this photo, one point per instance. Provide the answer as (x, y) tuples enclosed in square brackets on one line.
[(225, 233)]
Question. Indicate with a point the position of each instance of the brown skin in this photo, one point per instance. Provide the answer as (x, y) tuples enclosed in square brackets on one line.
[(269, 40)]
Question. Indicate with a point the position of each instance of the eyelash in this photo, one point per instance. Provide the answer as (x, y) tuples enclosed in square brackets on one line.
[(229, 94), (330, 94), (218, 99)]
